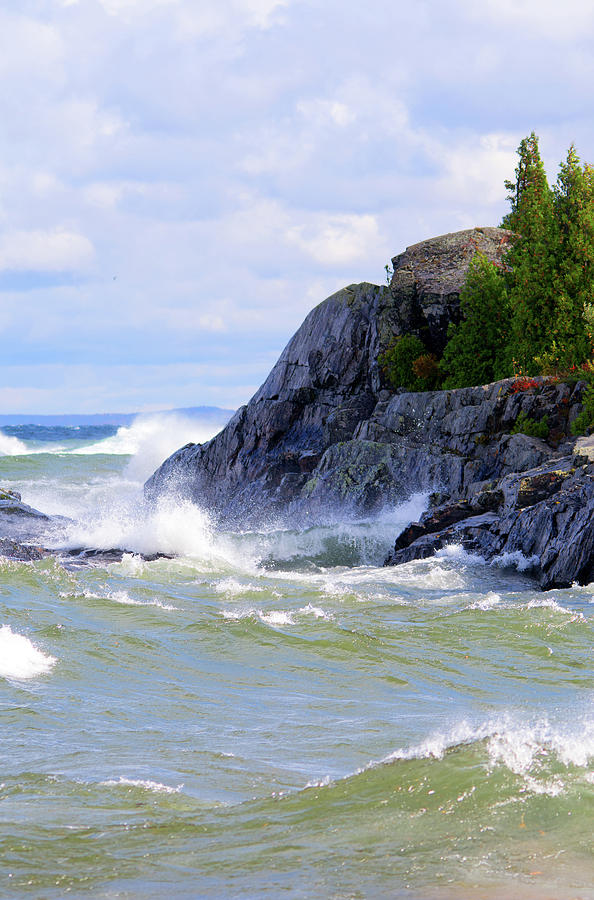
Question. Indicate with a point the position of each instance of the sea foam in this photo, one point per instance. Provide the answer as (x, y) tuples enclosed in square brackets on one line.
[(20, 658), (11, 446)]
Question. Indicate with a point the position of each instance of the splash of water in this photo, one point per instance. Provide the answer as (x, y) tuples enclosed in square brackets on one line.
[(20, 658), (150, 439), (11, 446)]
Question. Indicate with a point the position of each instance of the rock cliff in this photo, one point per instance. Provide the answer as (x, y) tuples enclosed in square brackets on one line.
[(287, 445), (323, 434)]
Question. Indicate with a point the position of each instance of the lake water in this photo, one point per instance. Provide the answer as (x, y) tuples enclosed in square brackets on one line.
[(275, 714)]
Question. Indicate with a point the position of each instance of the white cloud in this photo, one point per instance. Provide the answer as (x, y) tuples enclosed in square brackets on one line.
[(232, 163), (573, 19), (44, 251), (324, 112), (337, 240), (474, 169)]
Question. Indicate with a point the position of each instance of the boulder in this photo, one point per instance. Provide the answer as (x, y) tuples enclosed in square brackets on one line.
[(429, 276)]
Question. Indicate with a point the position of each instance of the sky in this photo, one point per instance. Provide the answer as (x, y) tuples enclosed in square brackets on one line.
[(181, 181)]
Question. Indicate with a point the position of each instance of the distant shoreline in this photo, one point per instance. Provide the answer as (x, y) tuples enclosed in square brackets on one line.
[(204, 412)]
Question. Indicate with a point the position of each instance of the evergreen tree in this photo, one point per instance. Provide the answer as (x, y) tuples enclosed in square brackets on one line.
[(529, 167), (532, 262), (574, 278), (476, 349)]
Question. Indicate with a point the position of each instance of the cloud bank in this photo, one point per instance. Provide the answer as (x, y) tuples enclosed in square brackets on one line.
[(180, 182)]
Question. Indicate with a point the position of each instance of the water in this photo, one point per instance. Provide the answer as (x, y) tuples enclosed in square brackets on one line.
[(275, 714)]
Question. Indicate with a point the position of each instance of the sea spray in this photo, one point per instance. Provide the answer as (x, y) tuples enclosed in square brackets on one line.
[(20, 659), (275, 711), (11, 446)]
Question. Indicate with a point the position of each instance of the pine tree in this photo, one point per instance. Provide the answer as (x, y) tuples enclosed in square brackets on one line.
[(476, 350), (532, 262), (574, 279), (529, 167)]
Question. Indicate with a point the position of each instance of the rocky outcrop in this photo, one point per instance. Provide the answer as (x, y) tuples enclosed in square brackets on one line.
[(428, 277), (291, 449), (323, 434), (546, 515)]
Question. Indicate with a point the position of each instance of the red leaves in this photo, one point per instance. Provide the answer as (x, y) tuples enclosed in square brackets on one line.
[(522, 384)]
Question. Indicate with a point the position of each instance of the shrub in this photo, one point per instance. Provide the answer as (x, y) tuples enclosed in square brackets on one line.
[(398, 360), (525, 425), (522, 384), (426, 368)]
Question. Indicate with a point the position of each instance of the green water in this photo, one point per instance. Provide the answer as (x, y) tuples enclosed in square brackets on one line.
[(276, 714)]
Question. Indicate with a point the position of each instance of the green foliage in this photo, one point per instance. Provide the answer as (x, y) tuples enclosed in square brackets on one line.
[(551, 264), (585, 421), (574, 209), (582, 423), (525, 425), (476, 349), (532, 262), (398, 360), (535, 313)]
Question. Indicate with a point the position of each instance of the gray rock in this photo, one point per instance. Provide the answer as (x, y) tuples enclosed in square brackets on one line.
[(429, 276), (324, 434)]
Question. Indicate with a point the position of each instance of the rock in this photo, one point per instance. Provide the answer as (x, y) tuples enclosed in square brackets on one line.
[(432, 522), (548, 518), (323, 433), (9, 495), (429, 276), (583, 450), (15, 550), (11, 504), (327, 389)]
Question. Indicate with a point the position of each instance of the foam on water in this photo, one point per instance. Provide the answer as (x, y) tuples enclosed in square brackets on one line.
[(515, 560), (523, 747), (20, 658), (274, 617), (144, 784), (11, 446)]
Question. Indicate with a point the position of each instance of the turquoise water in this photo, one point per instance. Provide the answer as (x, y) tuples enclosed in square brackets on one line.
[(276, 714)]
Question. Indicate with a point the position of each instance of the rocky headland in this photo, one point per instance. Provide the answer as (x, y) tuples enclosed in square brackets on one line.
[(324, 435)]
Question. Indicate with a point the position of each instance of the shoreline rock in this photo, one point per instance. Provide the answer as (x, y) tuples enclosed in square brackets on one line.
[(323, 436)]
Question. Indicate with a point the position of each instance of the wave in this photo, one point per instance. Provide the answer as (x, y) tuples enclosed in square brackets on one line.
[(11, 446), (151, 438), (20, 658), (509, 760), (144, 784)]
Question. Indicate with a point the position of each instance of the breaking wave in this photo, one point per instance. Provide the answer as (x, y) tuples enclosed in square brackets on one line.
[(20, 658)]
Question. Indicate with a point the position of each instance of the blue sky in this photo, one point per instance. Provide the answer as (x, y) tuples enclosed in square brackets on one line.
[(181, 181)]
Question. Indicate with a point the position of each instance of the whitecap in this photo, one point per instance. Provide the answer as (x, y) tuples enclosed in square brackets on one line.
[(516, 560), (20, 658), (145, 784), (314, 611), (491, 600), (11, 446), (276, 617)]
